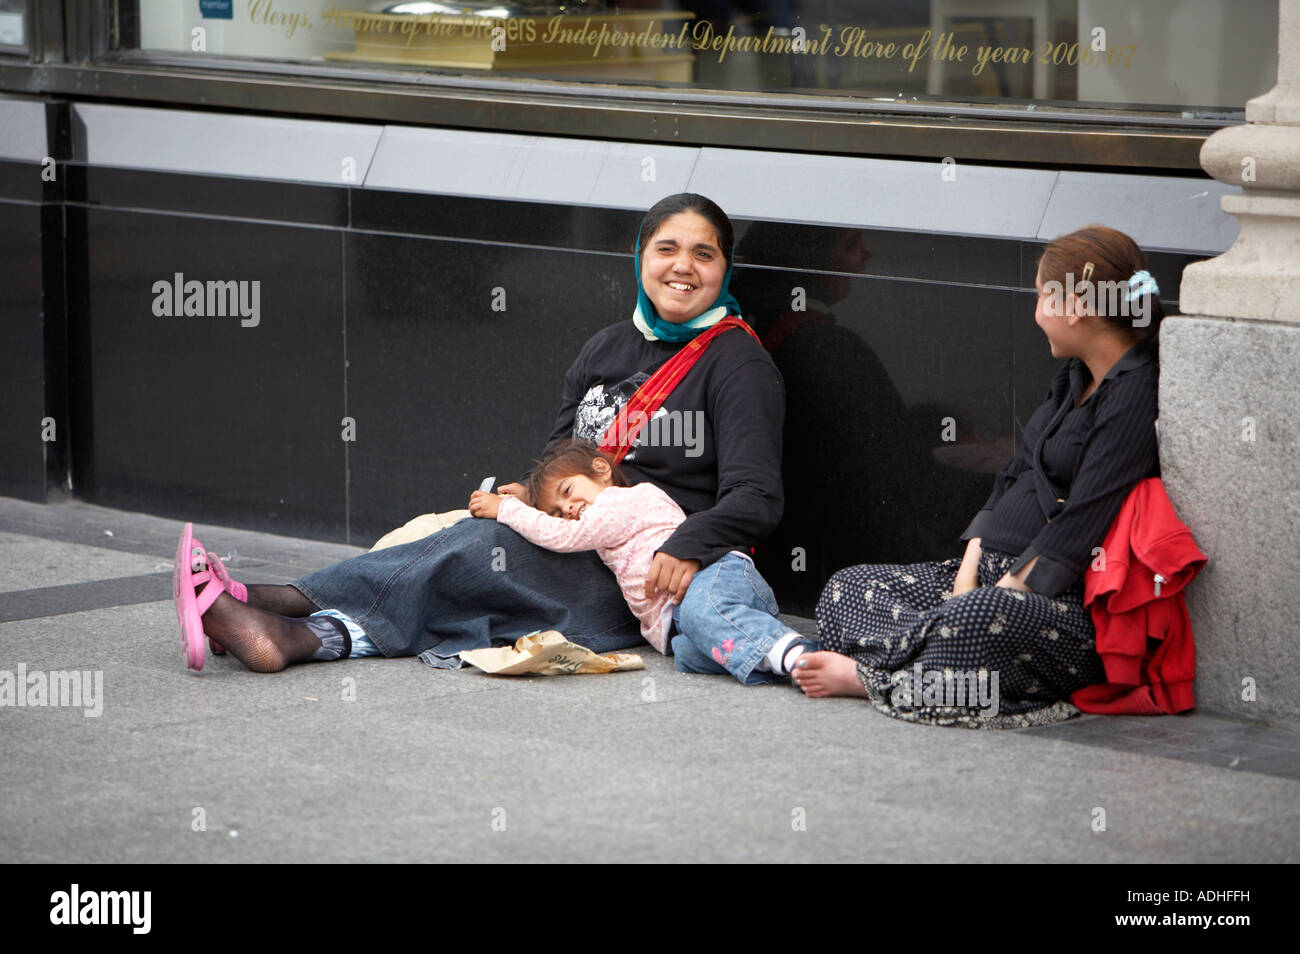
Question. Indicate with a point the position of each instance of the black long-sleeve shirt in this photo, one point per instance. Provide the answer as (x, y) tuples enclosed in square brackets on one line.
[(714, 447), (1092, 455)]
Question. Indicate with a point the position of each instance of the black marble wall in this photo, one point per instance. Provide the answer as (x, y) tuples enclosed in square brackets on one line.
[(22, 359), (35, 430), (385, 375)]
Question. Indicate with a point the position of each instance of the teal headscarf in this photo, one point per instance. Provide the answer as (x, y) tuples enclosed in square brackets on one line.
[(657, 329)]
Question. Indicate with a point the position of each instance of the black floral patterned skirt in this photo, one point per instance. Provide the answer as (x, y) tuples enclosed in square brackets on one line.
[(990, 658)]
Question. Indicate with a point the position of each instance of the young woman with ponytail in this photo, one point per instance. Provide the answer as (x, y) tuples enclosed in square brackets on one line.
[(1010, 611)]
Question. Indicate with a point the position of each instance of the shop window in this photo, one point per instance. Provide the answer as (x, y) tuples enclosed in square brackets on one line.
[(13, 26), (1191, 57)]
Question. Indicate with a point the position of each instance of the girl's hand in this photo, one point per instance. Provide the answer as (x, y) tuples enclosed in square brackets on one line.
[(667, 573), (483, 504)]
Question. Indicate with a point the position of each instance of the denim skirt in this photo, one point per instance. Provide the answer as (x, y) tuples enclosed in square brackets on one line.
[(474, 585)]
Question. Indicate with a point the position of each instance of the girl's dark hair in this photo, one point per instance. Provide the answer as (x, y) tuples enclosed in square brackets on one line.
[(1115, 258), (689, 202), (566, 458)]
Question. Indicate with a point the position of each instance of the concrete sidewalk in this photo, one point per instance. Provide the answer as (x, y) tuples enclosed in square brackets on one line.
[(388, 760)]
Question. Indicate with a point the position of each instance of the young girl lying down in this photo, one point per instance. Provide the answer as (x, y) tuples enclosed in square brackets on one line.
[(727, 620)]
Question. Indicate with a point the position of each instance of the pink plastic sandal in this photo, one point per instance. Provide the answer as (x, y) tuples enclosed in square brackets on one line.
[(189, 572), (238, 590)]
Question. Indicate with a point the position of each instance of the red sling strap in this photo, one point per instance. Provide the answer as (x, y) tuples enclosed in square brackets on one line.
[(650, 396)]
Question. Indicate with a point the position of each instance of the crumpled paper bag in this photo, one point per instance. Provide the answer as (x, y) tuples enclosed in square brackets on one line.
[(548, 654)]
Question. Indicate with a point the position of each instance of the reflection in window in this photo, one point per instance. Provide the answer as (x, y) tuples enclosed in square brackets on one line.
[(1190, 55), (13, 25)]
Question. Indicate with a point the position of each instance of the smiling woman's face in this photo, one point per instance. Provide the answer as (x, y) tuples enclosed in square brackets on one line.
[(682, 267)]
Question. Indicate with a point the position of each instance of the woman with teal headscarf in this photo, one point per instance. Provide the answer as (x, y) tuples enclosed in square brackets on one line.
[(714, 446), (696, 221)]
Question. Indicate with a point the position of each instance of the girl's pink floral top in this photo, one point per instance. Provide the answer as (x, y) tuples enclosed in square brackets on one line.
[(625, 526)]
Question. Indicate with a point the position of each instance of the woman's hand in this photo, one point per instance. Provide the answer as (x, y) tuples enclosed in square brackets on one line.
[(1009, 582), (484, 504), (1017, 582), (667, 573), (1013, 582), (515, 490)]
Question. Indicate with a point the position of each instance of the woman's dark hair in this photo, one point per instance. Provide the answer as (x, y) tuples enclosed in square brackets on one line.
[(566, 458), (689, 202), (1114, 258)]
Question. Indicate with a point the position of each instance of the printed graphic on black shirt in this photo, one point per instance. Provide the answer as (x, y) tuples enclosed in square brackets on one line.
[(601, 404)]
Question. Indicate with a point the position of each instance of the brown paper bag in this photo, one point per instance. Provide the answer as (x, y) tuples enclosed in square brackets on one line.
[(548, 654)]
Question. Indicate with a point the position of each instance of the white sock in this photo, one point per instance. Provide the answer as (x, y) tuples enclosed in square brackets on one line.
[(775, 657)]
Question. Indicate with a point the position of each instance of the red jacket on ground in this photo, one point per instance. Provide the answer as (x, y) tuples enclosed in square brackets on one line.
[(1134, 590)]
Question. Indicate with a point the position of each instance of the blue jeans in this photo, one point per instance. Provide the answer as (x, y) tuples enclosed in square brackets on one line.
[(727, 621), (473, 585)]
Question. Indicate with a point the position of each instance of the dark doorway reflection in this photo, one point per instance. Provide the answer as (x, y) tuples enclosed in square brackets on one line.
[(864, 481)]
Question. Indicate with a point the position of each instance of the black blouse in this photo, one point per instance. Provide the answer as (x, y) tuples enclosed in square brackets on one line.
[(1059, 495)]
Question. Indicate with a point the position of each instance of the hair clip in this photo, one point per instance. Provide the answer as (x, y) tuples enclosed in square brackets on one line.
[(1141, 283), (1087, 273)]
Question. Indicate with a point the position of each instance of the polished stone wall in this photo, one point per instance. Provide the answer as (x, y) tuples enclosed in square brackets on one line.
[(34, 429), (408, 342), (906, 386)]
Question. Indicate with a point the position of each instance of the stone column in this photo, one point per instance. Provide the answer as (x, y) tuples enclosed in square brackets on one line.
[(1230, 411)]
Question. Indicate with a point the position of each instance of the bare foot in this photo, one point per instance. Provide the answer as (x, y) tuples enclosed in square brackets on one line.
[(828, 674), (260, 640)]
